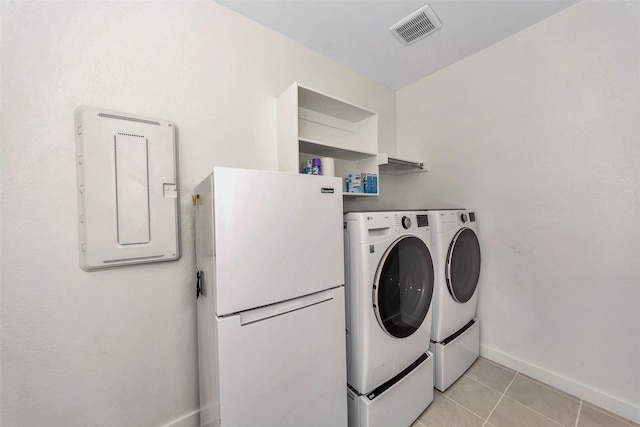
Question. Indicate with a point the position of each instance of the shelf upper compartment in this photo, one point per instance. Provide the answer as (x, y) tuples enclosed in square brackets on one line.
[(316, 101), (335, 123)]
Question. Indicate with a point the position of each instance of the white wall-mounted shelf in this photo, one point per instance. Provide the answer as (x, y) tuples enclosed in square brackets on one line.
[(313, 124), (395, 166)]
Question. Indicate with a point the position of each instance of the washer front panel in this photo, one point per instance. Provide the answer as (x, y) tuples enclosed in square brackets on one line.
[(463, 265), (403, 287)]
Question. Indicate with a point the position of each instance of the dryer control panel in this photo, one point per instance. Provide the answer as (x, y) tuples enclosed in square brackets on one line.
[(443, 221), (422, 220), (374, 226), (465, 217)]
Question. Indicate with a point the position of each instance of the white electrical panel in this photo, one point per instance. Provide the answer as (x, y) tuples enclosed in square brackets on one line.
[(127, 189)]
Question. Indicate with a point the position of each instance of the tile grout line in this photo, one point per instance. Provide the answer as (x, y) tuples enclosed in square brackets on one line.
[(503, 395), (525, 406), (579, 411), (483, 384), (560, 392), (612, 415), (534, 411), (460, 405), (519, 403), (576, 399), (500, 400), (486, 385), (504, 368), (555, 390)]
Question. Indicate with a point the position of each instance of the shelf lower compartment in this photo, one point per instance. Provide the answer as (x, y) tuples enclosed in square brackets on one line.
[(319, 149), (345, 162)]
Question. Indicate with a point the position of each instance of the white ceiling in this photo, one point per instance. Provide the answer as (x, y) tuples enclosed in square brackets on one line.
[(356, 33)]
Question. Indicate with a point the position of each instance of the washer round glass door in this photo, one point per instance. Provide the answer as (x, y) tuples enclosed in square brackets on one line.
[(463, 265), (403, 287)]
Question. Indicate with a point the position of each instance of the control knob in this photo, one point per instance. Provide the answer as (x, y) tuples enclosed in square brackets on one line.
[(406, 222)]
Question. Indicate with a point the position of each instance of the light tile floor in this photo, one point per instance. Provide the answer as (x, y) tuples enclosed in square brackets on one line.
[(492, 395)]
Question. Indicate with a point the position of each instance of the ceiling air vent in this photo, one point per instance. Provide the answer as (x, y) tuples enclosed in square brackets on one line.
[(419, 24)]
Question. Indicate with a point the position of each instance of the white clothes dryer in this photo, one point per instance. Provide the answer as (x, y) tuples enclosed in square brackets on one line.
[(455, 333), (389, 288)]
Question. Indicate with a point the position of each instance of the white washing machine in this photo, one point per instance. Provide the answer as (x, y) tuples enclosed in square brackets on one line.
[(389, 288), (455, 333)]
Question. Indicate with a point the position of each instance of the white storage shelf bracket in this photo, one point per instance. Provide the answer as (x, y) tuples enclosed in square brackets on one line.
[(396, 166)]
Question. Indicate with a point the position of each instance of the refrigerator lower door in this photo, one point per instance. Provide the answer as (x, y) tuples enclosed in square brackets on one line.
[(284, 365)]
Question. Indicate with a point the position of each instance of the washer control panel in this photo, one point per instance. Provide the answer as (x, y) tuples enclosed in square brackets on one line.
[(411, 221)]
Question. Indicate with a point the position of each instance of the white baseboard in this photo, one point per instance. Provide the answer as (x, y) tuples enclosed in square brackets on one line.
[(189, 420), (597, 397)]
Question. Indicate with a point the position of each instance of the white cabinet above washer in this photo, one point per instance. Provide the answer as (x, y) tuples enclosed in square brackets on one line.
[(313, 124)]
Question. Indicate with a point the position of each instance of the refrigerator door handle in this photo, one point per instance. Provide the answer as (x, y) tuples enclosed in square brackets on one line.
[(199, 284), (263, 313)]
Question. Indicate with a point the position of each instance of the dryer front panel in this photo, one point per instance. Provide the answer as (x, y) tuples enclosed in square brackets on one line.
[(463, 265), (403, 287)]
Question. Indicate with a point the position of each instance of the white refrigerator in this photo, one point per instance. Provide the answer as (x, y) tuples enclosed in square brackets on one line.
[(270, 299)]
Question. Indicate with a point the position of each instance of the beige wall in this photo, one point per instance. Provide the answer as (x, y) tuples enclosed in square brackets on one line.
[(118, 347), (541, 135), (538, 133)]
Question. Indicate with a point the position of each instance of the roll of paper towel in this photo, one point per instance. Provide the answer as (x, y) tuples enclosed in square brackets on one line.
[(327, 166)]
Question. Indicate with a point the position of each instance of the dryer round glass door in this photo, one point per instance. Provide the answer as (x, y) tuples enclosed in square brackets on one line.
[(403, 287), (463, 265)]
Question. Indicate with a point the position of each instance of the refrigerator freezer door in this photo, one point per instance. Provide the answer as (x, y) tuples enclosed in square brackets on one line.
[(278, 236), (286, 368)]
